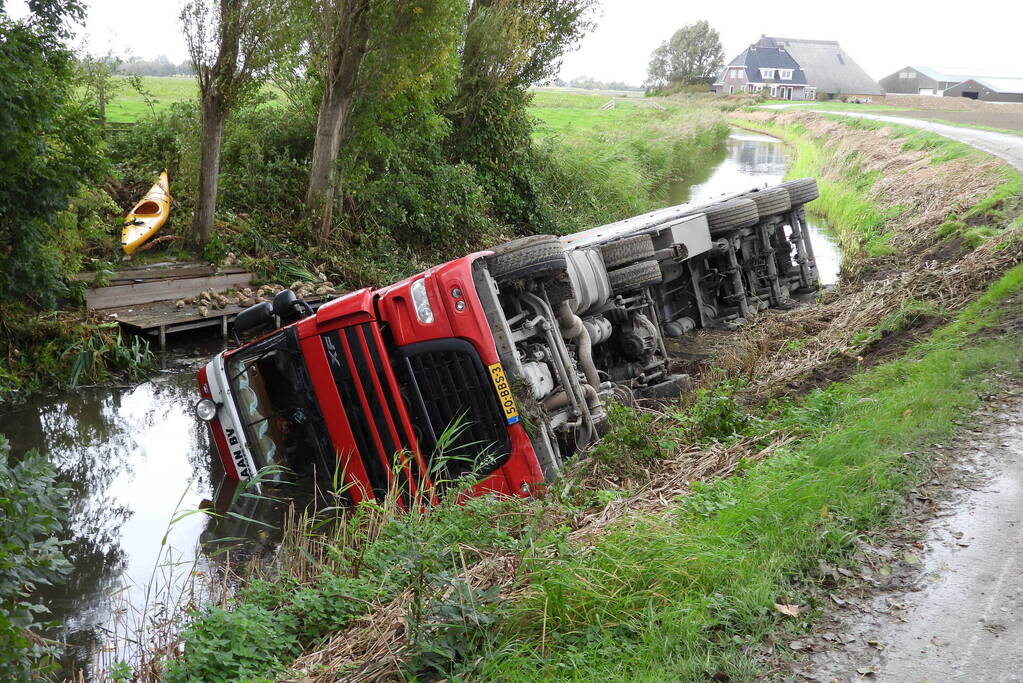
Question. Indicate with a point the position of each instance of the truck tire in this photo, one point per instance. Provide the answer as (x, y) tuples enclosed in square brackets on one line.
[(731, 214), (770, 201), (634, 277), (536, 256), (801, 190), (628, 250)]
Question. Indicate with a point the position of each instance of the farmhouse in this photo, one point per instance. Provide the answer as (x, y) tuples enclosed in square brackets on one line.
[(824, 70), (770, 69)]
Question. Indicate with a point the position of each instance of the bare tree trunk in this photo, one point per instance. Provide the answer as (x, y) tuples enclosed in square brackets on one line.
[(347, 43), (330, 125), (209, 168)]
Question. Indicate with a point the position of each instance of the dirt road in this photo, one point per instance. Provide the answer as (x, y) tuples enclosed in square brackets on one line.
[(953, 611), (992, 119)]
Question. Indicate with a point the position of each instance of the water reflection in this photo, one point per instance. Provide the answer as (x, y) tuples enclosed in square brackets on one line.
[(128, 456), (753, 160)]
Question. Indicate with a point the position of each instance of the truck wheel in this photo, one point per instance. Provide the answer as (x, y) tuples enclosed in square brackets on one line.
[(537, 256), (731, 214), (770, 201), (628, 250), (634, 277), (801, 190)]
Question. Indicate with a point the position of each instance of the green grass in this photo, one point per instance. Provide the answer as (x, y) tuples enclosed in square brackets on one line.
[(830, 106), (687, 594), (128, 106), (614, 163)]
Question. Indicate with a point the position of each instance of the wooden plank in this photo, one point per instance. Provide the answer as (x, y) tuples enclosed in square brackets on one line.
[(162, 272), (161, 290), (163, 314)]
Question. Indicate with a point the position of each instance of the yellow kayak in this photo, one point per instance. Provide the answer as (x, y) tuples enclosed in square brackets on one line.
[(148, 215)]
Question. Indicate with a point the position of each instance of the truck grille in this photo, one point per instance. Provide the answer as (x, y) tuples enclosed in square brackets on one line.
[(371, 405), (455, 391)]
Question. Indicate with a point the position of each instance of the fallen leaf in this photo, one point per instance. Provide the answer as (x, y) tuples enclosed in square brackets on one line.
[(837, 600), (876, 644), (911, 558), (788, 610), (938, 641), (907, 412), (866, 671), (797, 645), (885, 570), (918, 545)]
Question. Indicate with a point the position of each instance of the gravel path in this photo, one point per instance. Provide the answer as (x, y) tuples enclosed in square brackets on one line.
[(957, 615)]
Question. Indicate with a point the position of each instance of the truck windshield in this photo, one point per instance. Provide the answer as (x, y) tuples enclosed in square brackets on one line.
[(272, 392)]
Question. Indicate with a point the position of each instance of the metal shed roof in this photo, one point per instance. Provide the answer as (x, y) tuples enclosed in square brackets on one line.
[(1004, 85), (826, 65)]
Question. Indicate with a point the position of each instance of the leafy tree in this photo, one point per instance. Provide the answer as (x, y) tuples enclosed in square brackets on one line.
[(692, 55), (233, 45), (365, 49), (49, 146), (510, 45)]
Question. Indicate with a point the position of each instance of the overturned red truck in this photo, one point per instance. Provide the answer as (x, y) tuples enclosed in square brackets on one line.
[(498, 365)]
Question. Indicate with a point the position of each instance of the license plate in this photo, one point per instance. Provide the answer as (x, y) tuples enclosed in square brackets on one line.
[(504, 393)]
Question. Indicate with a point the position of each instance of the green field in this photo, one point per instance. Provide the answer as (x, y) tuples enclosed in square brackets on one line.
[(128, 105)]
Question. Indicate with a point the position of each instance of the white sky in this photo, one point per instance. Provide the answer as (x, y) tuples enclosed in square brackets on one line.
[(881, 35)]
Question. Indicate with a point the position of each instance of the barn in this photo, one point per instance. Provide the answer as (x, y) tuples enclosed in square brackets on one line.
[(923, 80), (988, 89)]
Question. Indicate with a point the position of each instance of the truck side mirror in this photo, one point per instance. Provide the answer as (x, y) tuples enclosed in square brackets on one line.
[(254, 318), (289, 307)]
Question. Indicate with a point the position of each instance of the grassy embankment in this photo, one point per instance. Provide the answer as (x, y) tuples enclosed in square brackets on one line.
[(644, 565), (615, 163), (861, 224)]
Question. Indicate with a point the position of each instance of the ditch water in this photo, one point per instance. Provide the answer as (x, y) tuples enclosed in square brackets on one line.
[(751, 160), (136, 456)]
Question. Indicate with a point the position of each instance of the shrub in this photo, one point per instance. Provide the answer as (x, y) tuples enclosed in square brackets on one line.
[(33, 510), (244, 643)]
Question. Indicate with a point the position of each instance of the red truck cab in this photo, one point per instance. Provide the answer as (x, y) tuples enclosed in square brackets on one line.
[(399, 388)]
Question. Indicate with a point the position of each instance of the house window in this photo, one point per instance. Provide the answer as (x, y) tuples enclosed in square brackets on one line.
[(737, 73), (774, 91), (785, 74), (766, 73), (810, 94), (905, 74)]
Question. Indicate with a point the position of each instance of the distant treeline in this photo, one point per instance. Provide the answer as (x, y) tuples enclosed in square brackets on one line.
[(587, 83), (136, 66)]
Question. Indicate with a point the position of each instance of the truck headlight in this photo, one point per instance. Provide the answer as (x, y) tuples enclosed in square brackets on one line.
[(421, 301), (206, 409)]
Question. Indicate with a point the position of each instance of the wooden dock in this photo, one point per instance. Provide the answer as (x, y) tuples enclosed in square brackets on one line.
[(143, 300)]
